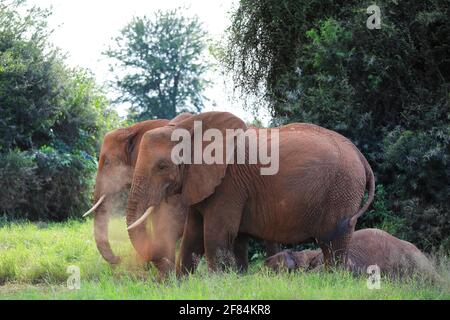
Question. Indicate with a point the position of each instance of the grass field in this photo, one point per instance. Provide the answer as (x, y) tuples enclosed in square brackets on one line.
[(34, 260)]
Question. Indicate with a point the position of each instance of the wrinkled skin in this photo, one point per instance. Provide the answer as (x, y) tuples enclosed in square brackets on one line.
[(316, 195), (118, 156), (367, 247)]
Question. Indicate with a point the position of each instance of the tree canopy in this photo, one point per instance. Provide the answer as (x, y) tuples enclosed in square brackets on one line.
[(160, 65), (52, 118), (387, 89)]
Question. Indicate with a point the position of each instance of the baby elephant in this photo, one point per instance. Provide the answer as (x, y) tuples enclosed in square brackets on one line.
[(367, 247)]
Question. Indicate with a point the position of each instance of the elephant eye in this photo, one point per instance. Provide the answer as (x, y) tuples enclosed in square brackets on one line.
[(106, 162), (162, 166)]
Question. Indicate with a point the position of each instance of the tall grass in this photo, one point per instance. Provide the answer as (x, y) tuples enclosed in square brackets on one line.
[(34, 260)]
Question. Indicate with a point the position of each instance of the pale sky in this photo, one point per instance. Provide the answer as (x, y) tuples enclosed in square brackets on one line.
[(84, 28)]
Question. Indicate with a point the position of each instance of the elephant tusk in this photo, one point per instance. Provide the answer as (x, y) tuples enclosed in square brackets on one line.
[(99, 202), (141, 219)]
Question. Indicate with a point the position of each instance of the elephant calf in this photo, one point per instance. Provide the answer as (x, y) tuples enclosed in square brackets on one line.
[(367, 247)]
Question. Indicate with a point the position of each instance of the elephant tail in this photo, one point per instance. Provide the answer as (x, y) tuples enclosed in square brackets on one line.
[(370, 184)]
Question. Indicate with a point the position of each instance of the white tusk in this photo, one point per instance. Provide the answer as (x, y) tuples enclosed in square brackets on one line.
[(99, 202), (141, 219)]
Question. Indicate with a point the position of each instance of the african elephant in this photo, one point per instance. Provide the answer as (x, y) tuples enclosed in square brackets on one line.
[(316, 194), (367, 247), (118, 157), (158, 245)]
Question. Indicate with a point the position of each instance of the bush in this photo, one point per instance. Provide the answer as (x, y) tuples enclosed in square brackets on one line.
[(51, 120), (416, 168), (385, 89), (66, 181), (17, 174), (380, 215), (45, 184)]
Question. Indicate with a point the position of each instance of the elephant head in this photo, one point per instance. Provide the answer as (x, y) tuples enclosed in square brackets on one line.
[(118, 156), (158, 177), (293, 260)]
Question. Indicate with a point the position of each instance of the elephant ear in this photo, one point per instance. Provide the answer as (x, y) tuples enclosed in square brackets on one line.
[(131, 136), (289, 260), (128, 137), (200, 180)]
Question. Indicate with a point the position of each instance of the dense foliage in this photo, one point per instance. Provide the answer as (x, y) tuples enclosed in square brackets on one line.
[(160, 65), (386, 89), (51, 121)]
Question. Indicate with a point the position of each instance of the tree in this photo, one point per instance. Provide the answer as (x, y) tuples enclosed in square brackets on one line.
[(51, 120), (386, 89), (160, 65)]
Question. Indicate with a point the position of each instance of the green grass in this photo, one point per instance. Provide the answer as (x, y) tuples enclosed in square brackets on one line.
[(34, 260)]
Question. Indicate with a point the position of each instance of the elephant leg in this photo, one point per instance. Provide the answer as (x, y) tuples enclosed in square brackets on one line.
[(241, 252), (272, 248), (327, 254), (164, 267), (192, 244), (164, 258), (218, 251), (341, 245), (220, 232), (335, 251)]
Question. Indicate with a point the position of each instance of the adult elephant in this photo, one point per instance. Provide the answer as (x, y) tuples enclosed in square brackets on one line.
[(118, 156), (316, 193)]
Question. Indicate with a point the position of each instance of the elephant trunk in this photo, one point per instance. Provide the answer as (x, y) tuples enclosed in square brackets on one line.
[(135, 208), (101, 221)]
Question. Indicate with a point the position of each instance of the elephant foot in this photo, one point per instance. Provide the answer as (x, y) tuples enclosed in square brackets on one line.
[(113, 261), (165, 267)]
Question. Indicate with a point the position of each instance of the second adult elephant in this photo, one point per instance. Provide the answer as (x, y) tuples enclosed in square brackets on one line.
[(316, 194)]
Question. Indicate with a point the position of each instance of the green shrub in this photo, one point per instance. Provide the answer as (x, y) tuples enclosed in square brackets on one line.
[(66, 181), (385, 89), (417, 170), (52, 118), (17, 176), (45, 184), (380, 215)]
